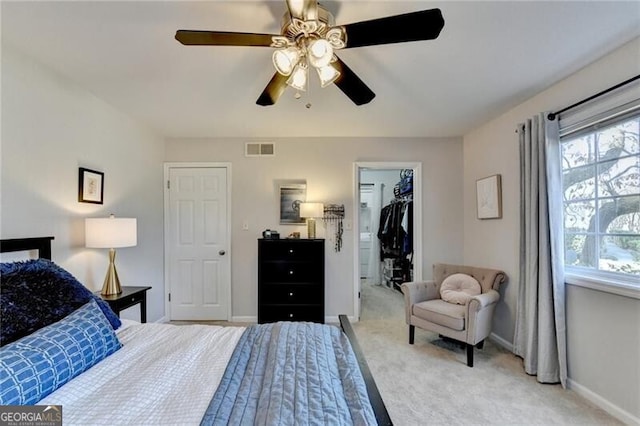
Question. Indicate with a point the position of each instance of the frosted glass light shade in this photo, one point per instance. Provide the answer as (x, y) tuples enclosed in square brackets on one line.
[(284, 60), (112, 232), (327, 75), (320, 53), (298, 79), (311, 209)]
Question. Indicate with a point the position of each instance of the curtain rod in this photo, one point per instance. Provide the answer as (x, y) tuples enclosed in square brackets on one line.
[(552, 115)]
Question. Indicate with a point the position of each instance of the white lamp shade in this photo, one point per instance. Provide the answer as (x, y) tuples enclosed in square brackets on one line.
[(112, 232), (311, 209), (284, 60), (298, 79), (327, 75), (320, 53)]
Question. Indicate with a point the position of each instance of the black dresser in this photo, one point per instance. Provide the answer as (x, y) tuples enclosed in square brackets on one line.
[(290, 280)]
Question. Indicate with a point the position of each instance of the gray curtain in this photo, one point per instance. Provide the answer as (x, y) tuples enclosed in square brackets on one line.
[(540, 336)]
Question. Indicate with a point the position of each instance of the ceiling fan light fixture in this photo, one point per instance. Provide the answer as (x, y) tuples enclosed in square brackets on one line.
[(327, 75), (320, 52), (299, 77), (284, 60)]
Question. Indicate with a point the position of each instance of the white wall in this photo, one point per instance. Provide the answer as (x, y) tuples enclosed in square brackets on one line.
[(603, 357), (389, 178), (327, 166), (50, 127)]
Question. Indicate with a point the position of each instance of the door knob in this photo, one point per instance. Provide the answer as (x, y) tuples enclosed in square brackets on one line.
[(222, 252)]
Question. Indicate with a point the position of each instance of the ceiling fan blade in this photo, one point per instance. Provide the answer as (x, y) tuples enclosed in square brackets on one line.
[(274, 89), (305, 10), (423, 25), (351, 85), (222, 38)]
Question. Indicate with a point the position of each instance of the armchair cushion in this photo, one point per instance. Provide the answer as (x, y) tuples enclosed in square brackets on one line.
[(459, 288), (442, 313)]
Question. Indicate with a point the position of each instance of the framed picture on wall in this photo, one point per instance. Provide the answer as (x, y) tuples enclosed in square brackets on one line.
[(90, 186), (489, 197), (291, 195)]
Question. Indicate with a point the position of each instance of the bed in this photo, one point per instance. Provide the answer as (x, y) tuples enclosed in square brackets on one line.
[(132, 373)]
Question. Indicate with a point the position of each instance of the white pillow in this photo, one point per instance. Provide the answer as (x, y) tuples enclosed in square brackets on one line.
[(459, 288)]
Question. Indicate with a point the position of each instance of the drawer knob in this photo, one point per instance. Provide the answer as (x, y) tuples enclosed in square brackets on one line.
[(290, 250), (290, 315), (133, 299), (290, 272), (291, 294)]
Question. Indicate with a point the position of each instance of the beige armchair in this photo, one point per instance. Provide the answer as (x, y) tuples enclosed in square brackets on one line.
[(469, 324)]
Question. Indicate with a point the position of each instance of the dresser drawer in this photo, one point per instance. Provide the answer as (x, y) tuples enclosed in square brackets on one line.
[(292, 294), (287, 250), (291, 272), (274, 313)]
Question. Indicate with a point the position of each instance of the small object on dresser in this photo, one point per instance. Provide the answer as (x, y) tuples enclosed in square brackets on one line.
[(130, 296), (270, 235)]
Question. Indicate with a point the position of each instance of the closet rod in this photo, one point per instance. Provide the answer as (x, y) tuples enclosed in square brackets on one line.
[(552, 115)]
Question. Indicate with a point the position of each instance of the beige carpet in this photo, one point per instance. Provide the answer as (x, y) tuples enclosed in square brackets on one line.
[(430, 383)]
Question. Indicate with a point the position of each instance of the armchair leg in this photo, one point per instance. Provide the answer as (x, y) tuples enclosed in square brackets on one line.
[(480, 344), (469, 355), (412, 332)]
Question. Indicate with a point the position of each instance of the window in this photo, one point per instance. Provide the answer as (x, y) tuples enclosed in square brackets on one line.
[(601, 199)]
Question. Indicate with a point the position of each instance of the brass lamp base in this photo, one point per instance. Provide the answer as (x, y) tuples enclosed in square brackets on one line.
[(111, 284), (311, 228)]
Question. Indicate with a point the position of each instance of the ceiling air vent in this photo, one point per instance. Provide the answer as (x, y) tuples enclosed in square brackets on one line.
[(254, 149)]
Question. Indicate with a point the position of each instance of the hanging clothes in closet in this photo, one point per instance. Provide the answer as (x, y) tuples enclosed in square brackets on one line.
[(396, 233), (396, 229)]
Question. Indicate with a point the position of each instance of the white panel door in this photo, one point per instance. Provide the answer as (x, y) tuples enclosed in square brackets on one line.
[(199, 262)]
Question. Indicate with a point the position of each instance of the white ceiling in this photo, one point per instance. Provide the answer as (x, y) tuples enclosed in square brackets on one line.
[(489, 57)]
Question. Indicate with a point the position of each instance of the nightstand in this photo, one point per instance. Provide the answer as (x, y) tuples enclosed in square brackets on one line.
[(130, 296)]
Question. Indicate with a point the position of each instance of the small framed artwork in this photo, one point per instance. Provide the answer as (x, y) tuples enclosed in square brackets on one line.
[(90, 186), (291, 195), (489, 197)]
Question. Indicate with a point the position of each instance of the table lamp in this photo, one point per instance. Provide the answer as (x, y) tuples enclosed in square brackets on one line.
[(311, 211), (111, 233)]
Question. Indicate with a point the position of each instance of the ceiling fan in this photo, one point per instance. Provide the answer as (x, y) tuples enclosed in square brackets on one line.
[(309, 39)]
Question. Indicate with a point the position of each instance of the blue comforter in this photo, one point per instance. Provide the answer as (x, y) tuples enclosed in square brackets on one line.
[(291, 374)]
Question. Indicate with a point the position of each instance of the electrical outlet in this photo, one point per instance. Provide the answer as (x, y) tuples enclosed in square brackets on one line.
[(347, 225), (245, 226)]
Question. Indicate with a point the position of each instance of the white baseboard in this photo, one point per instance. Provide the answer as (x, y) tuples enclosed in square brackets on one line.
[(162, 320), (244, 319), (589, 395), (501, 342), (617, 412), (335, 320)]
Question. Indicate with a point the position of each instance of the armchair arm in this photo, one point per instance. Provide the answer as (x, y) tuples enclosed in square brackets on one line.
[(483, 300), (416, 292), (480, 315)]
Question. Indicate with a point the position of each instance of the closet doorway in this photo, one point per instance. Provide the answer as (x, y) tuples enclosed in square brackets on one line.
[(387, 234)]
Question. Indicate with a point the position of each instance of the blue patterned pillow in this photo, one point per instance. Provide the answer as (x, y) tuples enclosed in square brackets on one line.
[(36, 293), (34, 366)]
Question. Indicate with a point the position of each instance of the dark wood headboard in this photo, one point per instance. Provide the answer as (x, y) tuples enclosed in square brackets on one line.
[(42, 244)]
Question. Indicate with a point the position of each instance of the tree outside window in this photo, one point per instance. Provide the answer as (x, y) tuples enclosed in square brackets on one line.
[(601, 182)]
